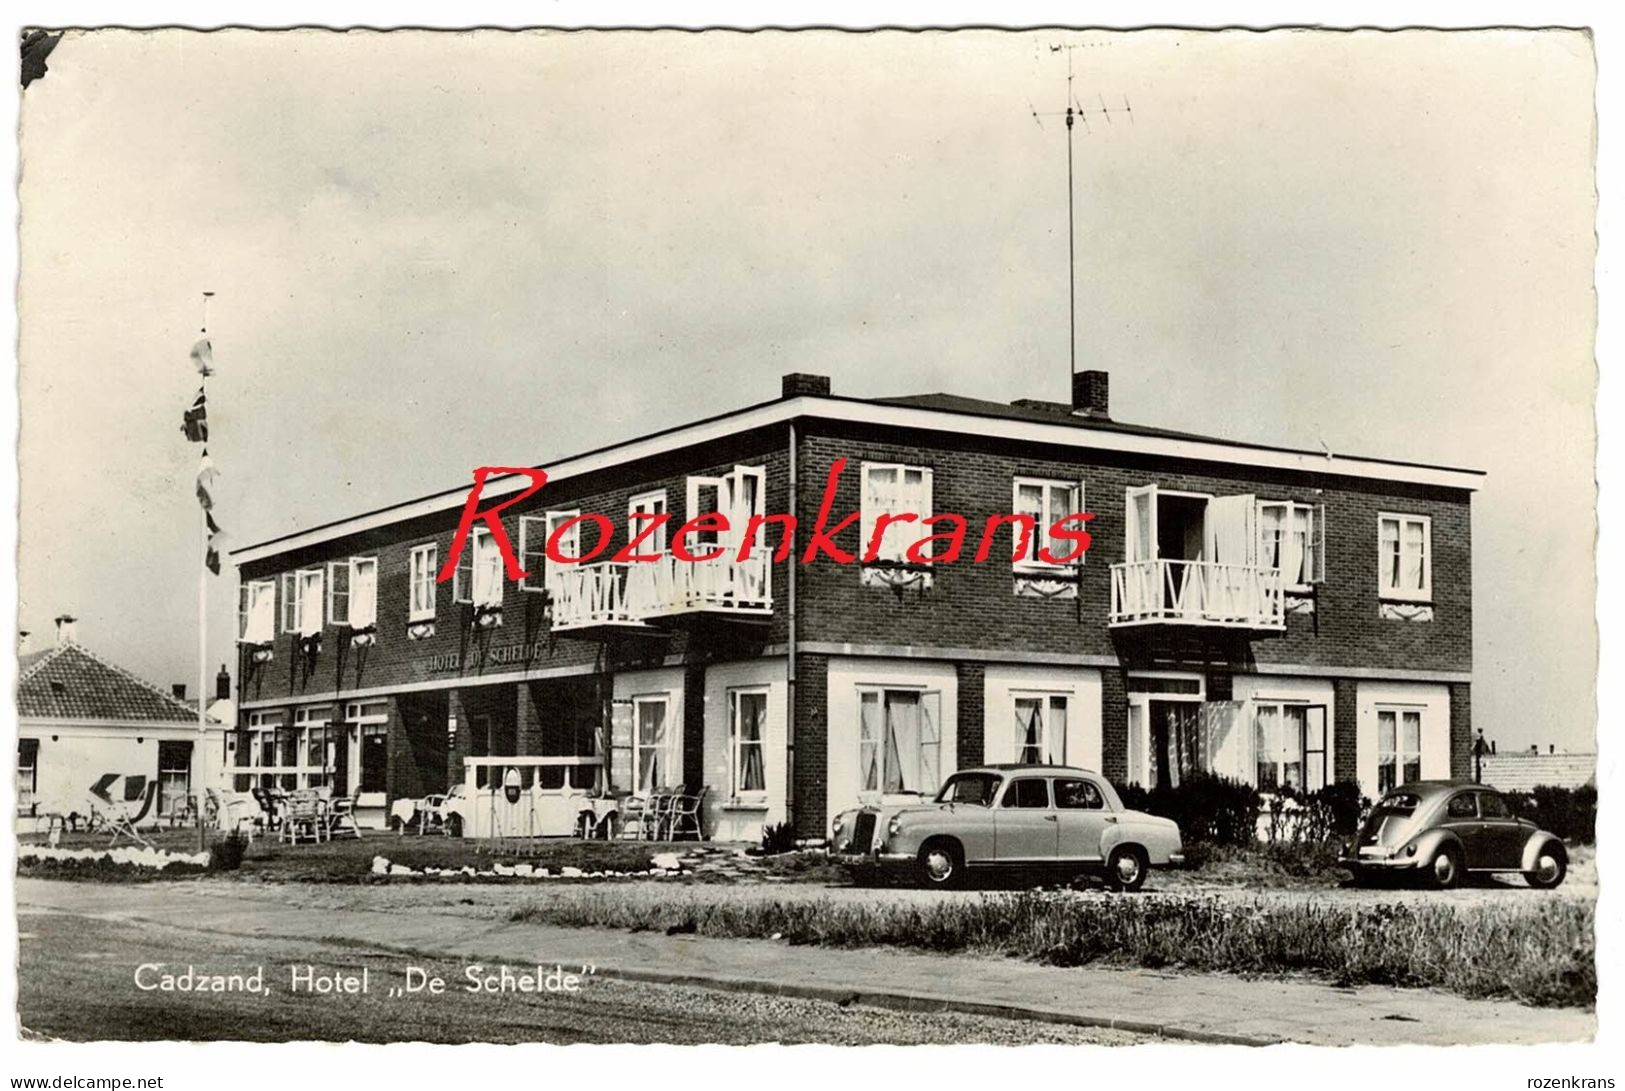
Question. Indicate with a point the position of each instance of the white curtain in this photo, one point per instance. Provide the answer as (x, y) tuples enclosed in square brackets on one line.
[(261, 625), (364, 593), (487, 582), (652, 742), (1057, 730), (310, 602), (869, 732)]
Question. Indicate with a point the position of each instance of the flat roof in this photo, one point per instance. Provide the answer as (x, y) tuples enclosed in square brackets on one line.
[(930, 412)]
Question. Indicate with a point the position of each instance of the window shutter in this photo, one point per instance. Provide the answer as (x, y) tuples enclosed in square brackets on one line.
[(310, 601), (242, 610), (363, 608), (1078, 508)]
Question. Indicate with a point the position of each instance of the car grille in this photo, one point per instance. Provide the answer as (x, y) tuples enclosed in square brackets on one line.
[(863, 832)]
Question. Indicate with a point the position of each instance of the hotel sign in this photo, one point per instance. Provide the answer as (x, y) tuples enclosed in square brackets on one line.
[(500, 656)]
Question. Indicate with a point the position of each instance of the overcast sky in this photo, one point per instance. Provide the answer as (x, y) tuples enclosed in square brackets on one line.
[(432, 252)]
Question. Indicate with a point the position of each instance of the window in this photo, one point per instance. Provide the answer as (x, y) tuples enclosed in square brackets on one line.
[(899, 741), (1290, 541), (352, 592), (643, 510), (1041, 728), (420, 581), (174, 776), (302, 602), (535, 531), (27, 773), (317, 746), (372, 717), (363, 592), (1289, 746), (257, 751), (654, 751), (1491, 805), (1028, 793), (1078, 795), (478, 579), (747, 724), (1462, 806), (256, 612), (1405, 557), (1399, 747), (737, 496), (1045, 502), (338, 592), (890, 489), (977, 788)]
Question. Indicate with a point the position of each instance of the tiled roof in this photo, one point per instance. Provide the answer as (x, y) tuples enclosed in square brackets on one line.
[(71, 682), (1524, 771)]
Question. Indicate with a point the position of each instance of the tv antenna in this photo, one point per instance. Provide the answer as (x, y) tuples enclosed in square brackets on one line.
[(1077, 111)]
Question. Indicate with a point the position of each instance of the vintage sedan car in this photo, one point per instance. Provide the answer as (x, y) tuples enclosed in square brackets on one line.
[(1033, 817), (1444, 830)]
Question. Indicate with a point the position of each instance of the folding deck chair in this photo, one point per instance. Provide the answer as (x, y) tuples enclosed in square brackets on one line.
[(139, 794)]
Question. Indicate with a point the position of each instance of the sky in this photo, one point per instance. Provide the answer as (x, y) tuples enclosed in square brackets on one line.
[(436, 251)]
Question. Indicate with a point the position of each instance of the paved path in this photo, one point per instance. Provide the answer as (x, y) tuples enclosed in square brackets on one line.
[(1192, 1006)]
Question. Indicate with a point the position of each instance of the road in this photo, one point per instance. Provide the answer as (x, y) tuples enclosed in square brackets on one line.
[(77, 982)]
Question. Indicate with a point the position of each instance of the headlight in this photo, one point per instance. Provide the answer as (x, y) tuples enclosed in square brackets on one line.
[(894, 827), (1410, 850), (837, 826)]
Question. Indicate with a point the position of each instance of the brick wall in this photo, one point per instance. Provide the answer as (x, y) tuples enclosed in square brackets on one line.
[(811, 745), (1345, 729), (972, 714), (1461, 732)]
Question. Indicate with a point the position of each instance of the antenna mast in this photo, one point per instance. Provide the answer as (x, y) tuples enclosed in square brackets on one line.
[(1075, 111)]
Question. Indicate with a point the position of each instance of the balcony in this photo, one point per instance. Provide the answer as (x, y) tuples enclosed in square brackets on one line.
[(1197, 593), (591, 596), (726, 586), (625, 597)]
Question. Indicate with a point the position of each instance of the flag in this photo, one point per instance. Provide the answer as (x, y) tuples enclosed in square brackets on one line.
[(211, 555), (195, 421), (203, 358), (206, 473)]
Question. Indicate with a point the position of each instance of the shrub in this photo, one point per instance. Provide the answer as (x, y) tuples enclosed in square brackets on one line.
[(778, 838), (227, 853), (1207, 808), (1328, 815)]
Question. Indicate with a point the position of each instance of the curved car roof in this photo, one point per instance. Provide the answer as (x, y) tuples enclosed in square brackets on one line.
[(1019, 767)]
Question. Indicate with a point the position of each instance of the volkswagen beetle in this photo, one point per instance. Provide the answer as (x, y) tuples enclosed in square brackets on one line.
[(1444, 830), (1034, 817)]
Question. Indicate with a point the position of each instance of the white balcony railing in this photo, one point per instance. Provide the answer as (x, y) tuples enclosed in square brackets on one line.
[(587, 595), (668, 587), (1235, 596)]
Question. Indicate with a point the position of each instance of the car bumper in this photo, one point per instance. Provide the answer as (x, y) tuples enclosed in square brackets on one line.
[(885, 861), (1378, 863), (1175, 859)]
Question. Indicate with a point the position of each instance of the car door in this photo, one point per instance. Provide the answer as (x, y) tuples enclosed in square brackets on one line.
[(1081, 820), (1460, 817), (1024, 824), (1500, 835)]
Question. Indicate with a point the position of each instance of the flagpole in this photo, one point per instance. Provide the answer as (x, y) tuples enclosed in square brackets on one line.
[(200, 791)]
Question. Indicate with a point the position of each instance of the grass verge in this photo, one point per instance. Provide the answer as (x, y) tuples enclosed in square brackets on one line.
[(1541, 952)]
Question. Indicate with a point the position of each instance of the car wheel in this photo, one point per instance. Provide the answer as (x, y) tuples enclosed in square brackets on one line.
[(1126, 869), (1550, 867), (1445, 870), (454, 825), (941, 863)]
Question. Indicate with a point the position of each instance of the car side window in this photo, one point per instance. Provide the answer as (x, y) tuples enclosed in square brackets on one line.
[(1462, 806), (1029, 792), (1078, 795), (1491, 805)]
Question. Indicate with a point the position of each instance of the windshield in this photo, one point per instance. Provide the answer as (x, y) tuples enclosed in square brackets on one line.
[(977, 788)]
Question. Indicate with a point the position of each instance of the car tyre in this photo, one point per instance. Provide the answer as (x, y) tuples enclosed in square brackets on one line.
[(454, 825), (1126, 868), (1444, 870), (941, 863), (1550, 867)]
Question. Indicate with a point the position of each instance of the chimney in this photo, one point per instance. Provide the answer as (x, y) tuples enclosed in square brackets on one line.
[(64, 629), (801, 385), (1534, 748), (22, 641), (1551, 748), (178, 690), (222, 685), (1089, 394)]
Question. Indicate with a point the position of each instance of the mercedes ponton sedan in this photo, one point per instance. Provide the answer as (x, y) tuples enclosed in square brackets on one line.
[(1034, 817), (1444, 830)]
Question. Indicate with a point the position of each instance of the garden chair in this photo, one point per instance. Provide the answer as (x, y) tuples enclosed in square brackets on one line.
[(268, 808), (686, 815), (658, 818), (341, 816), (124, 818), (235, 810), (634, 813), (305, 817)]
